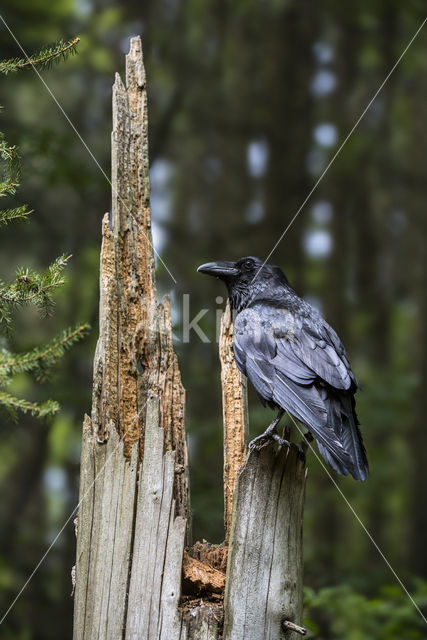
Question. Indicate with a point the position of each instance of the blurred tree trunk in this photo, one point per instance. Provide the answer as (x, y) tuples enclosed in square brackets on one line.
[(289, 121), (417, 441), (133, 521), (418, 437), (339, 188)]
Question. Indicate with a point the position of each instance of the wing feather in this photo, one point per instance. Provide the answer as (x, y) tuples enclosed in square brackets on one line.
[(306, 372)]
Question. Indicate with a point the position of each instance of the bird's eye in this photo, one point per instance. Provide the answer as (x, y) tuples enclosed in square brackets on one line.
[(248, 264)]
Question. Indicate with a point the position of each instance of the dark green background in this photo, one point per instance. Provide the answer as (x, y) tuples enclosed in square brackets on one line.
[(231, 83)]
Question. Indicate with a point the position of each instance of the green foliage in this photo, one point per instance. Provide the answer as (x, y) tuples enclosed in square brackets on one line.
[(334, 613), (10, 181), (8, 215), (8, 153), (45, 58), (40, 360), (30, 286), (12, 405)]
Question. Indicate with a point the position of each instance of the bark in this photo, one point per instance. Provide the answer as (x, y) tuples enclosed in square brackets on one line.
[(264, 572), (235, 416), (133, 520), (134, 457)]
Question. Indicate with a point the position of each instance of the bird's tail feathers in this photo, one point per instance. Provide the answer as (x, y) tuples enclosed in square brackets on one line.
[(339, 463), (343, 420), (312, 407), (333, 451)]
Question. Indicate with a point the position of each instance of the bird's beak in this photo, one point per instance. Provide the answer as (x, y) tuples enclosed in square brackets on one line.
[(219, 269)]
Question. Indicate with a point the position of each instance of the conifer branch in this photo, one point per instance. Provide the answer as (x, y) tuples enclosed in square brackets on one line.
[(8, 188), (32, 287), (44, 58), (13, 404), (7, 153), (7, 215), (10, 158), (40, 359)]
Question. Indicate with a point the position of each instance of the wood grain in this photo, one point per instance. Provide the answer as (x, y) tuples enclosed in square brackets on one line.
[(235, 415)]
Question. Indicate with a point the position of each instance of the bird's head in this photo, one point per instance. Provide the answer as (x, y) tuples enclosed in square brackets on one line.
[(245, 278)]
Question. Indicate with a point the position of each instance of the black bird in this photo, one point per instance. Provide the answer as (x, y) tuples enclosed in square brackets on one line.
[(294, 359)]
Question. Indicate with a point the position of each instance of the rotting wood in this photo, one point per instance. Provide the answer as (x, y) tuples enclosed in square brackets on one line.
[(215, 555), (235, 415), (133, 521), (138, 400), (202, 576)]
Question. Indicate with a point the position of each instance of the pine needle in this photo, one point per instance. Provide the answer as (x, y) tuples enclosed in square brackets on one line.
[(44, 58), (40, 360), (12, 405), (30, 286)]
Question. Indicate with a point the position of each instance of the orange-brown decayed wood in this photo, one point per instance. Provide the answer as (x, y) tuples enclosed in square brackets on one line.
[(235, 415)]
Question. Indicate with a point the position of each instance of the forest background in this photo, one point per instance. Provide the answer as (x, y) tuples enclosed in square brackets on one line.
[(248, 102)]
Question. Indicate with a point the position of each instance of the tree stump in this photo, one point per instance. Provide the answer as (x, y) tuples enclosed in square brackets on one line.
[(133, 535)]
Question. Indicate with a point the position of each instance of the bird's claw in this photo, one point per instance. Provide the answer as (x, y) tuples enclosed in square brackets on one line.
[(280, 440), (259, 441)]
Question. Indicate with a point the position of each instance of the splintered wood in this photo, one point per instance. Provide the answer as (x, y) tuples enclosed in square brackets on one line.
[(235, 415), (134, 500), (203, 577), (133, 549), (264, 571)]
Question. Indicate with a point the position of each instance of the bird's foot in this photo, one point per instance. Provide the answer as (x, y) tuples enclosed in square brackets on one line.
[(259, 441), (270, 433)]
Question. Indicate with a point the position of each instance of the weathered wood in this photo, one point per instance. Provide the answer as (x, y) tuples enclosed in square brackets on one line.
[(159, 536), (128, 566), (133, 520), (266, 499), (235, 415), (286, 624), (202, 576), (264, 572)]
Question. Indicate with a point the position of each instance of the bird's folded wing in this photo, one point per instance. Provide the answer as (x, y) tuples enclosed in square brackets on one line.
[(288, 385), (306, 352), (264, 354)]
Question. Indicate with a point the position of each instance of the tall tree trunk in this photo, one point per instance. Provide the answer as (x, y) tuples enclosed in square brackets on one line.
[(133, 521)]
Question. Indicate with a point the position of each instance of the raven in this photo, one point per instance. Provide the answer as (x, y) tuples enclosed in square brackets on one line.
[(294, 359)]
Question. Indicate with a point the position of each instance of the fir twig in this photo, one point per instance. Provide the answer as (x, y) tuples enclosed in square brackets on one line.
[(7, 152), (29, 285), (40, 359), (43, 58), (32, 287), (10, 158), (13, 404), (7, 215), (8, 188)]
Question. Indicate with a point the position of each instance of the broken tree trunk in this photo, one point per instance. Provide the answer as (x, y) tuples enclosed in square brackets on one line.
[(134, 577), (263, 591)]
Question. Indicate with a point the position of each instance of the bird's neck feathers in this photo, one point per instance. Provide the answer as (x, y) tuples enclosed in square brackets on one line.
[(242, 292), (240, 296)]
